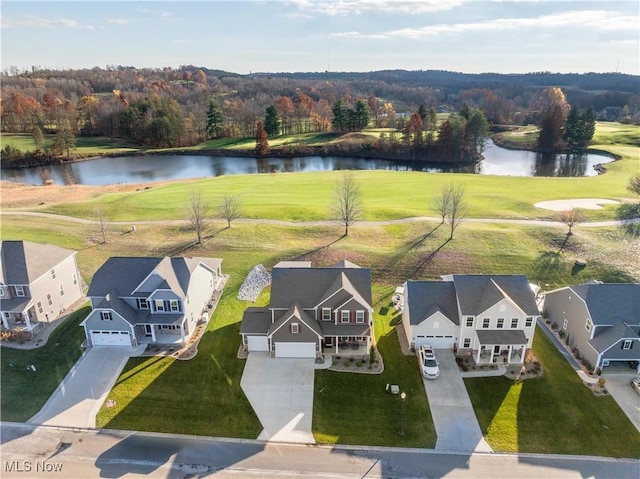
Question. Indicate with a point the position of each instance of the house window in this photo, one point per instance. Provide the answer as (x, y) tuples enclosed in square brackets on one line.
[(565, 323), (106, 315), (344, 316), (500, 323), (53, 274), (40, 310), (514, 323), (49, 300), (486, 322), (75, 278), (469, 321), (588, 325), (528, 322), (326, 314), (159, 305), (169, 326), (19, 290), (61, 290), (295, 328), (173, 304), (466, 343), (143, 303), (627, 344), (359, 316), (1, 291)]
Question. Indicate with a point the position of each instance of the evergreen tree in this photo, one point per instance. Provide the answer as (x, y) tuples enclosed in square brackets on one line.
[(579, 129), (361, 116), (262, 144), (422, 111), (215, 120), (38, 138), (475, 130), (272, 121), (339, 111), (64, 140)]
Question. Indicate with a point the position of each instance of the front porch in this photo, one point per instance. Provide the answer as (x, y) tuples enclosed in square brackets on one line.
[(347, 346), (20, 321), (499, 354)]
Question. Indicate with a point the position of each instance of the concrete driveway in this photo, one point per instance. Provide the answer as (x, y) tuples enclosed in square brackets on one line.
[(281, 394), (619, 386), (79, 396), (455, 421)]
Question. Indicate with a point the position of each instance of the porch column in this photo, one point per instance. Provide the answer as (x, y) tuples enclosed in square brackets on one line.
[(182, 332), (5, 322), (25, 316), (523, 353), (337, 342), (478, 354), (153, 333), (509, 353)]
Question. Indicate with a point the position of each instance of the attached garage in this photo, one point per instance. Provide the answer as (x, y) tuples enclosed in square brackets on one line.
[(435, 341), (295, 350), (110, 338), (257, 343)]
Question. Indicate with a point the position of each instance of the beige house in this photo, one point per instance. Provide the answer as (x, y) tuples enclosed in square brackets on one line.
[(38, 282)]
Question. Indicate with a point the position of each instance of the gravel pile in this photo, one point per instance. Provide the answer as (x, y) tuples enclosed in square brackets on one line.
[(255, 281)]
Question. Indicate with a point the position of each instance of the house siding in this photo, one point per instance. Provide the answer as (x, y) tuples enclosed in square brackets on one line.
[(566, 304), (94, 322), (506, 310), (445, 327), (199, 293), (305, 334), (616, 353)]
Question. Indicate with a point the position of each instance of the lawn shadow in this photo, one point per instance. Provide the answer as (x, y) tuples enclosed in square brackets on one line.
[(428, 259), (319, 249), (548, 265), (629, 211), (577, 268)]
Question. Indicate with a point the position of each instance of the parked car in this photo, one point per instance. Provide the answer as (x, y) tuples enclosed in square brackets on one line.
[(635, 384), (428, 362)]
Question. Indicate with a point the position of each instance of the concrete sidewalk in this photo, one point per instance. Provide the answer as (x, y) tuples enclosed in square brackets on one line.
[(79, 396), (281, 394)]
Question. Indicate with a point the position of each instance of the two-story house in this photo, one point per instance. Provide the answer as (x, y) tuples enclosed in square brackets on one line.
[(149, 300), (38, 282), (600, 320), (312, 311), (491, 317)]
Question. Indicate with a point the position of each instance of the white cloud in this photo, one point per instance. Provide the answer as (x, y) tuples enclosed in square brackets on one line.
[(118, 21), (375, 36), (347, 7), (31, 21), (297, 16)]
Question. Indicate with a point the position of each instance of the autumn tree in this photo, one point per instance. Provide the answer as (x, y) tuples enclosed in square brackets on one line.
[(570, 218), (215, 120), (551, 129), (229, 209), (272, 121), (284, 107), (413, 132), (197, 213), (347, 201), (38, 138), (262, 143)]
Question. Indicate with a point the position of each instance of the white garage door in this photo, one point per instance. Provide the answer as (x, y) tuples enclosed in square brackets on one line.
[(295, 350), (110, 338), (257, 343), (436, 342)]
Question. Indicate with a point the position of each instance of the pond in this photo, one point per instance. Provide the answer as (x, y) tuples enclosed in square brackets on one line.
[(150, 168)]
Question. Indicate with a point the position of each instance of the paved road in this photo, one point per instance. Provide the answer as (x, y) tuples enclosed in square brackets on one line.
[(79, 396), (87, 454), (594, 224)]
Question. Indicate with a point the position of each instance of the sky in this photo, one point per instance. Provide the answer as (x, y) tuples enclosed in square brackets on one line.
[(243, 36)]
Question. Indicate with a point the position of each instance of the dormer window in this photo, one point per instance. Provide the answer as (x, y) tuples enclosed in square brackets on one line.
[(143, 303), (344, 316), (295, 329), (326, 314), (359, 316), (19, 290), (159, 305)]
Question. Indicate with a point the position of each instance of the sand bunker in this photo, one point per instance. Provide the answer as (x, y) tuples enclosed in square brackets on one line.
[(586, 203)]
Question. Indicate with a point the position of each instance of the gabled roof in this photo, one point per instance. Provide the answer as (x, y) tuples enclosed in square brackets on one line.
[(611, 303), (297, 313), (134, 316), (477, 293), (309, 286), (22, 262), (424, 298), (131, 274), (610, 336)]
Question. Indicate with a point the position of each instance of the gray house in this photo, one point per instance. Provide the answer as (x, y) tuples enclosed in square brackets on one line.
[(601, 320), (150, 300), (312, 311), (491, 317), (38, 282)]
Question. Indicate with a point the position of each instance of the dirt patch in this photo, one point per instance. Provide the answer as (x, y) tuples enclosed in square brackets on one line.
[(585, 203)]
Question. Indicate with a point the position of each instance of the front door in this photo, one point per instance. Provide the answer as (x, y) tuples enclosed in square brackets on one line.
[(147, 330), (496, 350)]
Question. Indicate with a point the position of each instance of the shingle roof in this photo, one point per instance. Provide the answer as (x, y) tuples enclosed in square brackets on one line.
[(477, 293), (424, 298), (22, 262), (307, 286), (296, 312), (255, 321), (609, 336), (502, 337), (611, 303)]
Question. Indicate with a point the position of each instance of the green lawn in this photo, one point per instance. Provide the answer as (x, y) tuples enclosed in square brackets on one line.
[(85, 146), (555, 414), (355, 408), (24, 392)]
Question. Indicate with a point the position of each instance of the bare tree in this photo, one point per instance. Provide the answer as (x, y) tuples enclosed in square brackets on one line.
[(197, 212), (348, 201), (457, 207), (229, 209), (101, 218), (442, 203), (570, 218)]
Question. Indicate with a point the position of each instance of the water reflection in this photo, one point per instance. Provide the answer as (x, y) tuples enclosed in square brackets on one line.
[(141, 169)]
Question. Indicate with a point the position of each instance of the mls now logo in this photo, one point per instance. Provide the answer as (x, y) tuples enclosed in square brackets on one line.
[(32, 466)]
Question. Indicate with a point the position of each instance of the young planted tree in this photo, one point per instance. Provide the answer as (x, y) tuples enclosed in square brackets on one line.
[(101, 218), (197, 213), (347, 201), (229, 209), (453, 197), (262, 143), (442, 203), (570, 218)]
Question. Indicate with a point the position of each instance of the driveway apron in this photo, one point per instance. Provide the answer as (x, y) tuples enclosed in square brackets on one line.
[(281, 394), (619, 386), (78, 398), (455, 421)]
